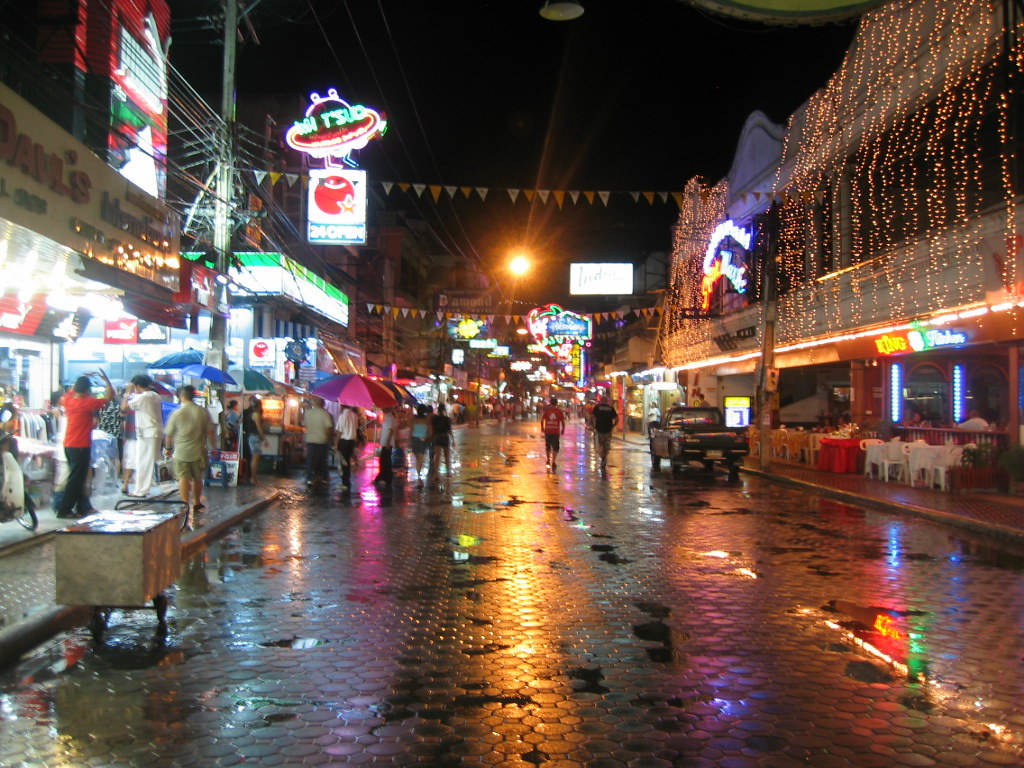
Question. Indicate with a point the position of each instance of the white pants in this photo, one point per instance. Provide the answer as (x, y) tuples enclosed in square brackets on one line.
[(147, 450)]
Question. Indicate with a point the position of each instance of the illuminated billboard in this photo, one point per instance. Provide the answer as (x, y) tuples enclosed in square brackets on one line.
[(336, 210), (558, 330), (600, 279)]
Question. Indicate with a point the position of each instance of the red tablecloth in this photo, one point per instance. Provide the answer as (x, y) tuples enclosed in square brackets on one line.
[(840, 455)]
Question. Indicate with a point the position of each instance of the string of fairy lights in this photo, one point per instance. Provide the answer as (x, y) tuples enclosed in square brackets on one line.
[(893, 176)]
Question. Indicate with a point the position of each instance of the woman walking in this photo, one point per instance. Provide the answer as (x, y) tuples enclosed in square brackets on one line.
[(440, 440), (419, 434)]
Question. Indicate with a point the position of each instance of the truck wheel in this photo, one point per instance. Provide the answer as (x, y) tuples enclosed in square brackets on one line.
[(709, 466), (655, 462), (734, 472)]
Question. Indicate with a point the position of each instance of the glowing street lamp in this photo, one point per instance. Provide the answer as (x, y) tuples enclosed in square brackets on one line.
[(519, 265)]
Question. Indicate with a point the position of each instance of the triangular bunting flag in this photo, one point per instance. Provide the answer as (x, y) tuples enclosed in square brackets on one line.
[(291, 178), (369, 308), (394, 312), (650, 197), (467, 191), (529, 194), (663, 196), (604, 197), (259, 176), (575, 195), (589, 196), (435, 191), (405, 311), (508, 319), (274, 177), (514, 194), (678, 197), (387, 186), (635, 196), (404, 186), (451, 191), (440, 316), (482, 191), (305, 181), (543, 195), (559, 197), (419, 189)]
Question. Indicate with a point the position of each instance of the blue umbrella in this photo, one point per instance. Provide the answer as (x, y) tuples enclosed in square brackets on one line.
[(177, 360), (208, 372)]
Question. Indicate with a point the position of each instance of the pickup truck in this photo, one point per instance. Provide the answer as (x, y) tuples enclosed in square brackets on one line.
[(698, 434)]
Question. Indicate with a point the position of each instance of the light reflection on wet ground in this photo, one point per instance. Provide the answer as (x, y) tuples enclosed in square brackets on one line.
[(509, 615)]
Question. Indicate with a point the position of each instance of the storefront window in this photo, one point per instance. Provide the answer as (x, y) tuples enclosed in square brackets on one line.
[(987, 392), (25, 373), (927, 393)]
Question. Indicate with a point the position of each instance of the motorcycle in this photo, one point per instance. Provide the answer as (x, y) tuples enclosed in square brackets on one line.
[(15, 503)]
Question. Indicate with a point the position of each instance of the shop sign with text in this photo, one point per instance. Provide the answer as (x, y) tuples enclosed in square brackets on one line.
[(919, 340)]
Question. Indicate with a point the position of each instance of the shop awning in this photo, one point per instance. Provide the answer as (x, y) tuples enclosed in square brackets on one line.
[(346, 359), (154, 311)]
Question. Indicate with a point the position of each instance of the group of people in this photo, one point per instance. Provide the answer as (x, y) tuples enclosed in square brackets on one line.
[(428, 431), (602, 418), (135, 421)]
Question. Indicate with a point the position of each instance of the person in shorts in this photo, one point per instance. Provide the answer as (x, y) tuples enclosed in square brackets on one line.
[(188, 433), (552, 424)]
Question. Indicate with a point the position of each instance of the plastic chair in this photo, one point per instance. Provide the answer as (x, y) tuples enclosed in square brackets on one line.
[(940, 472), (894, 457), (869, 465)]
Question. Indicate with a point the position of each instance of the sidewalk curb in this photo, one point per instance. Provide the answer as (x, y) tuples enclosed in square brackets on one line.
[(40, 627), (947, 518)]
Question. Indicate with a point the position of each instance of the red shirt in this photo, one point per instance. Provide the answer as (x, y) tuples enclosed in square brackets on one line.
[(552, 420), (80, 412)]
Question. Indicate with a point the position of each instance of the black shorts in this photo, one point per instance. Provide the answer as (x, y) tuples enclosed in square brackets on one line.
[(551, 441)]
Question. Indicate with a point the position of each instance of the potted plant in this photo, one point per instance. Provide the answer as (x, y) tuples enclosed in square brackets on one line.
[(1012, 460), (978, 470)]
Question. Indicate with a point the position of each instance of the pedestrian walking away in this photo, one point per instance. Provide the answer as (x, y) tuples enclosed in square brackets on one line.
[(552, 423), (190, 431), (347, 430), (388, 432), (255, 438), (149, 429), (80, 409), (604, 417), (319, 426), (440, 441), (418, 436)]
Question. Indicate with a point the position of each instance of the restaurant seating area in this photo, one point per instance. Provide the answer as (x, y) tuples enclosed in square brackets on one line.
[(915, 463)]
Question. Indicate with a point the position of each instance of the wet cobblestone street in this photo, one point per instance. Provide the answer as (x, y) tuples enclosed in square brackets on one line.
[(512, 616)]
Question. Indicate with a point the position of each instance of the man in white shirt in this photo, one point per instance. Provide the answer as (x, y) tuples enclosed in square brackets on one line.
[(149, 430), (974, 423), (347, 430)]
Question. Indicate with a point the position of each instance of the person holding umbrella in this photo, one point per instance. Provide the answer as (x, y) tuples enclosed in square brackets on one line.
[(347, 430), (388, 431)]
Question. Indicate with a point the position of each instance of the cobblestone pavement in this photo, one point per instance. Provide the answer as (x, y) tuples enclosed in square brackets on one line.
[(511, 616)]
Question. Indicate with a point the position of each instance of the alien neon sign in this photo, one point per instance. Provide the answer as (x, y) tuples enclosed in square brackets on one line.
[(718, 262), (558, 330), (332, 128)]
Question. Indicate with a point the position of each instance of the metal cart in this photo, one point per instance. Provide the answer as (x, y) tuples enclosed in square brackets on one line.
[(118, 559)]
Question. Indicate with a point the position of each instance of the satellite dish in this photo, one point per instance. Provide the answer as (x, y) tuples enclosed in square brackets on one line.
[(788, 11)]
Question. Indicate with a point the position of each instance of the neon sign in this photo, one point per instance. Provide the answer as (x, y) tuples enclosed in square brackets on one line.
[(336, 206), (333, 128), (919, 341), (718, 261), (557, 330)]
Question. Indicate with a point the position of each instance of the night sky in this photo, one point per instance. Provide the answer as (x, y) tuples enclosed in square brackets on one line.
[(634, 95)]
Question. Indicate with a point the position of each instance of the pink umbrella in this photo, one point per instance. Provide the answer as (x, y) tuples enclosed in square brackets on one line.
[(354, 389)]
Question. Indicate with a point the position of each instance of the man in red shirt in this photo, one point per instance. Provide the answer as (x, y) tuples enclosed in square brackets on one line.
[(552, 423), (80, 409)]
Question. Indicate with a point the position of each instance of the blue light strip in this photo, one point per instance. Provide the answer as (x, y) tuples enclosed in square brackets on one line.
[(958, 393), (896, 393)]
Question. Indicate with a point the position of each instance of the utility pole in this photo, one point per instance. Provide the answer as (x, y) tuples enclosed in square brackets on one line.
[(224, 186), (766, 398)]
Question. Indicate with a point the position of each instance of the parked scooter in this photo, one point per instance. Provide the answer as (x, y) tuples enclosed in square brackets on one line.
[(15, 503)]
